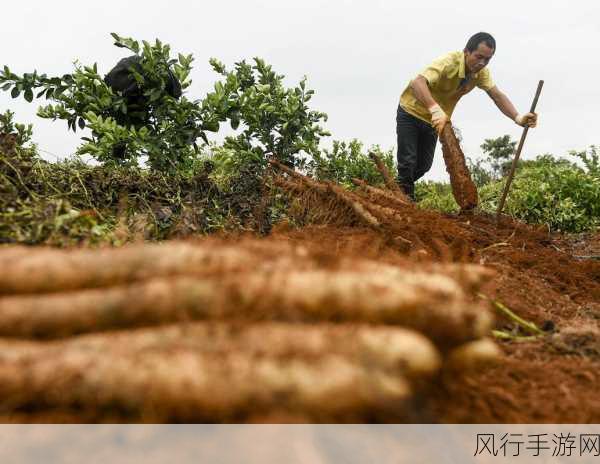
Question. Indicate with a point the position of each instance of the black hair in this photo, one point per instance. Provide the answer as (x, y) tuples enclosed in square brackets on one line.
[(474, 41)]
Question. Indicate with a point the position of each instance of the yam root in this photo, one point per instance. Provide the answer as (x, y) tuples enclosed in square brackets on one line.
[(434, 304), (391, 349), (377, 192), (474, 355), (387, 177), (51, 270), (186, 385), (463, 188)]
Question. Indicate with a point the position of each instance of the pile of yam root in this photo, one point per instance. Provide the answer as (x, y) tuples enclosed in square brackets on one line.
[(226, 331), (215, 331)]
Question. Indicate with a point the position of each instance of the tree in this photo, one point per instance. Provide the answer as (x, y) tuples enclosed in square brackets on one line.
[(499, 153)]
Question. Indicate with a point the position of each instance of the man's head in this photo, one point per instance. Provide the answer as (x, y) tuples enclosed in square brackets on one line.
[(479, 51)]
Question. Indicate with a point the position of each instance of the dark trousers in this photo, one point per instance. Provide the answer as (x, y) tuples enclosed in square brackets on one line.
[(416, 145)]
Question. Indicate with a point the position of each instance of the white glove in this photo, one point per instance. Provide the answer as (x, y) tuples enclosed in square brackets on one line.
[(438, 117), (527, 119)]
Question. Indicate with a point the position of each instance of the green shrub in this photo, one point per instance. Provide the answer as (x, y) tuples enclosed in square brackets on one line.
[(22, 132), (549, 191), (546, 190), (437, 196), (590, 159), (273, 120), (346, 161)]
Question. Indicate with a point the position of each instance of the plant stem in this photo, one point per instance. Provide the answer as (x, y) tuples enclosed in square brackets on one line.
[(527, 325)]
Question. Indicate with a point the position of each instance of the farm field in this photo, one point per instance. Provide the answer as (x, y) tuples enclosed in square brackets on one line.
[(376, 311), (159, 276)]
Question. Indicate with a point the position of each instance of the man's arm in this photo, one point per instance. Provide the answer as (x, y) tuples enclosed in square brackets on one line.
[(421, 90), (423, 94), (505, 105)]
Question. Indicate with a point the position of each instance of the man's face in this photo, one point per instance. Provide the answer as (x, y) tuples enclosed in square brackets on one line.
[(479, 58)]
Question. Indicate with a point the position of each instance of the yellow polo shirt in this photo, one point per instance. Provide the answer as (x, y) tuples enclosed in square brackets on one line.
[(446, 79)]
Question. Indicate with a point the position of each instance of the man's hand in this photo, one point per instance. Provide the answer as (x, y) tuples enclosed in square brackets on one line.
[(527, 120), (438, 118)]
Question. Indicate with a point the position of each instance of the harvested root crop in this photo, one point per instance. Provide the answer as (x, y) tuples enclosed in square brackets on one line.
[(390, 349), (387, 178), (387, 196), (186, 385), (463, 188), (52, 270), (356, 206), (474, 355), (434, 304)]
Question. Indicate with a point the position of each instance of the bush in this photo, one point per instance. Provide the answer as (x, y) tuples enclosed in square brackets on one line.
[(590, 159), (437, 196), (346, 161), (22, 133), (154, 122), (547, 190), (552, 192), (274, 120)]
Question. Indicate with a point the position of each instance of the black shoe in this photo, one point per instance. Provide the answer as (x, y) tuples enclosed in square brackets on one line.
[(408, 189)]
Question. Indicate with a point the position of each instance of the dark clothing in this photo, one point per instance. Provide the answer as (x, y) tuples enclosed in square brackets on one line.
[(121, 79), (416, 145)]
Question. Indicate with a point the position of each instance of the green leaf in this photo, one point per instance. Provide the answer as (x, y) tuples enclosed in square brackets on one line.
[(155, 95), (6, 86), (212, 126), (15, 92)]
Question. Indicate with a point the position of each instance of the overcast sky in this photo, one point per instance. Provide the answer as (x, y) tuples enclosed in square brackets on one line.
[(358, 56)]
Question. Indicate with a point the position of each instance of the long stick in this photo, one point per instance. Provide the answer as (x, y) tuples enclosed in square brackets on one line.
[(518, 154)]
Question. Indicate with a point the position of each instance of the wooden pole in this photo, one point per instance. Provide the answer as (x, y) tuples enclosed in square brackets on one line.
[(518, 154)]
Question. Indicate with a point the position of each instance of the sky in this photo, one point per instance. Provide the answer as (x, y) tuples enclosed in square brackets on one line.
[(358, 57)]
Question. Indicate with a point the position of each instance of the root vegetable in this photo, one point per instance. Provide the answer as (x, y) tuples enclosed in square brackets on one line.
[(184, 385), (474, 355), (387, 178), (432, 303), (377, 192), (356, 206), (56, 270), (463, 188), (390, 349)]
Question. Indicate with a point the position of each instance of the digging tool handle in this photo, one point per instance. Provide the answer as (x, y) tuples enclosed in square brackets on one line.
[(518, 154)]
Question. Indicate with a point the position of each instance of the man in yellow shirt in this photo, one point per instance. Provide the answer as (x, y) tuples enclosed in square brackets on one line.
[(429, 100)]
